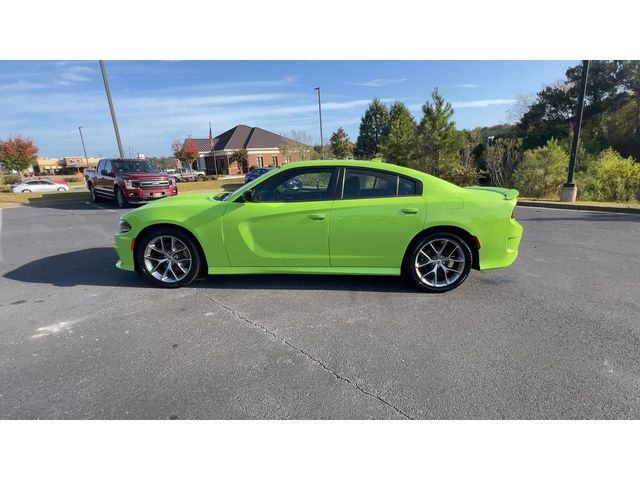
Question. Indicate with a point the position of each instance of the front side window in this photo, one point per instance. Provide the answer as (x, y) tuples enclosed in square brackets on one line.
[(299, 185), (368, 184)]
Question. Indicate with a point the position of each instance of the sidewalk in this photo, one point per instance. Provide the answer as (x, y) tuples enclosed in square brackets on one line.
[(586, 206)]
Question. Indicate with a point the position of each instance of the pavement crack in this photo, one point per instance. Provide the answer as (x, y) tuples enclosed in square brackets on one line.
[(306, 354)]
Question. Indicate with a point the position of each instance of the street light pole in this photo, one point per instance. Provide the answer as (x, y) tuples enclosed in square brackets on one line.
[(86, 159), (113, 112), (569, 190), (320, 114)]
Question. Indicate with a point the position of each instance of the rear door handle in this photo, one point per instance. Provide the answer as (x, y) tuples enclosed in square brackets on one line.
[(410, 211), (317, 216)]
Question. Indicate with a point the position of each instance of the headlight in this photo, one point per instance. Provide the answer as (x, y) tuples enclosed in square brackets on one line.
[(124, 226), (132, 184), (172, 182)]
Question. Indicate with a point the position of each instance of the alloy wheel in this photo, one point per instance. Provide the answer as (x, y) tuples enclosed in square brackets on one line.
[(440, 262), (167, 259)]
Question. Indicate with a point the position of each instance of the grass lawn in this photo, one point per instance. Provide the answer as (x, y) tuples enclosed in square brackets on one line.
[(35, 198)]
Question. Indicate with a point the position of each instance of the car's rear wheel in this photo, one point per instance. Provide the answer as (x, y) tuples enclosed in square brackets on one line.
[(61, 189), (26, 190), (168, 257), (120, 199), (439, 262)]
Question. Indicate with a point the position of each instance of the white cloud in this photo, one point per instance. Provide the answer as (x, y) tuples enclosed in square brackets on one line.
[(379, 82), (484, 103), (75, 74), (465, 85)]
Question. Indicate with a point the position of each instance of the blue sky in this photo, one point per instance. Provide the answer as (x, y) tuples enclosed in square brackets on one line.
[(159, 102)]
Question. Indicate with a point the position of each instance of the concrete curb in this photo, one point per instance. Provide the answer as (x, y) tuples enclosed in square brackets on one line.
[(588, 208)]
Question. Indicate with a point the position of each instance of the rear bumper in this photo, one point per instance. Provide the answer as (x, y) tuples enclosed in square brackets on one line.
[(499, 243)]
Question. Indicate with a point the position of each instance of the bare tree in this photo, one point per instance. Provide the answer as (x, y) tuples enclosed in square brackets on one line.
[(502, 159)]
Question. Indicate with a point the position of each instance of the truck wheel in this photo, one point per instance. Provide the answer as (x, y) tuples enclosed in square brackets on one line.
[(92, 193), (201, 178), (168, 257), (120, 199)]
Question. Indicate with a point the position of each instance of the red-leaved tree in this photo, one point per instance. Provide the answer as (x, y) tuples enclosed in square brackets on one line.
[(186, 152), (17, 153)]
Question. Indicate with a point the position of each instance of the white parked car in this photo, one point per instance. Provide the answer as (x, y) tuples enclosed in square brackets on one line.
[(42, 185)]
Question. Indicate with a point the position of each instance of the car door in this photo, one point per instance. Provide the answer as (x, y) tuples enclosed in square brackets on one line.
[(375, 218), (104, 179), (287, 222)]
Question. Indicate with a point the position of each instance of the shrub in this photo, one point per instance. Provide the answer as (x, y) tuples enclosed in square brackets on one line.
[(76, 179), (615, 179), (9, 179), (542, 170), (210, 177)]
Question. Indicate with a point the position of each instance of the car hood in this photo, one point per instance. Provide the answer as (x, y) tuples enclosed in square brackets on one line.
[(143, 176)]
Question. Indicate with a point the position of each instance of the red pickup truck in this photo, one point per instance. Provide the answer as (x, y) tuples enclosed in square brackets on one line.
[(129, 181)]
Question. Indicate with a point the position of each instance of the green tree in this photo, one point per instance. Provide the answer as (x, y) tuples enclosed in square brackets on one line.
[(17, 153), (399, 146), (501, 158), (542, 170), (341, 146), (241, 157), (614, 178), (438, 139), (374, 127)]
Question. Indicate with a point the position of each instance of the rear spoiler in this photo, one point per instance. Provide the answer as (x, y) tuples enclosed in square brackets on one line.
[(507, 193)]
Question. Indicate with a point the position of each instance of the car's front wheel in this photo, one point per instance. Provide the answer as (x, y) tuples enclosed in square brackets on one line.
[(120, 199), (168, 257), (439, 262)]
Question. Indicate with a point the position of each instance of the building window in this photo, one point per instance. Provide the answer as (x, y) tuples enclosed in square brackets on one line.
[(274, 160), (287, 159), (260, 161)]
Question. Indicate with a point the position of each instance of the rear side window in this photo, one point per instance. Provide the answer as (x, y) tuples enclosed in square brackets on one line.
[(406, 186), (368, 184)]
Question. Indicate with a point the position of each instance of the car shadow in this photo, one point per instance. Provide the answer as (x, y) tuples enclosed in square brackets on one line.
[(96, 267)]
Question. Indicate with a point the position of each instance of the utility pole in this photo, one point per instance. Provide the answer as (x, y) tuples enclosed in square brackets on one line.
[(320, 114), (86, 159), (569, 190), (113, 112)]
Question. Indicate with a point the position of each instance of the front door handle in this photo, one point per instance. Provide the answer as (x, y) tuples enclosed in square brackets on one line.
[(410, 211), (317, 216)]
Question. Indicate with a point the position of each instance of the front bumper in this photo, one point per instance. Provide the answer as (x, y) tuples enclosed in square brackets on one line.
[(140, 195), (123, 243)]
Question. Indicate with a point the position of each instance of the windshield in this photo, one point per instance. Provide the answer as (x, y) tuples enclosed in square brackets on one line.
[(143, 166)]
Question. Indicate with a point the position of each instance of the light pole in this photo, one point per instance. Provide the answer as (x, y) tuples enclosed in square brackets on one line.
[(113, 112), (320, 114), (569, 190), (86, 160)]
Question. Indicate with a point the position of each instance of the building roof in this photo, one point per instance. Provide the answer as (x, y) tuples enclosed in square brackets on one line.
[(242, 136)]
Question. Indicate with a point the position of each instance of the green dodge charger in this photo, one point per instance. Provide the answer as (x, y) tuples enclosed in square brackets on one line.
[(326, 217)]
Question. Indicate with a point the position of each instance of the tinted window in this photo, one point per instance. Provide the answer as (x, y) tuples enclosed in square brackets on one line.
[(369, 183), (406, 186), (107, 167), (299, 185)]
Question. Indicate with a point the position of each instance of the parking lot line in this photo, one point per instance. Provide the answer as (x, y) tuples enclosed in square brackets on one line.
[(102, 208)]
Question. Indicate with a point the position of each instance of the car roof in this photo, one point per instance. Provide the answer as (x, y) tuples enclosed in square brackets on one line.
[(390, 167)]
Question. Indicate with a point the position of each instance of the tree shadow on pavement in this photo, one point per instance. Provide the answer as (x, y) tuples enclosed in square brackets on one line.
[(96, 266)]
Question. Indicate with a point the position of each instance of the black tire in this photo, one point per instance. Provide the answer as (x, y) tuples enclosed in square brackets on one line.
[(196, 263), (456, 256), (26, 190), (61, 189), (92, 194), (121, 201), (201, 178)]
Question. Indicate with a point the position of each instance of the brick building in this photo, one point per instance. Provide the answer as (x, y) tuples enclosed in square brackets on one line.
[(264, 149)]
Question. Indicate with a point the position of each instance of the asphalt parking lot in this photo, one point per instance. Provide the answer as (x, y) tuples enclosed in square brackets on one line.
[(557, 335)]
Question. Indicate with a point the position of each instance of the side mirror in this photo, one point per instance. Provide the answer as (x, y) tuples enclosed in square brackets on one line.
[(247, 195)]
